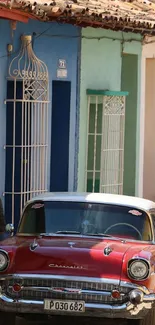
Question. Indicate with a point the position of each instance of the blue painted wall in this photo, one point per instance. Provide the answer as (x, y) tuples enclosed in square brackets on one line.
[(56, 42)]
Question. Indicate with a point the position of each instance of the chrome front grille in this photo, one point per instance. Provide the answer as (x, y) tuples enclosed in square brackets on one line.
[(39, 289)]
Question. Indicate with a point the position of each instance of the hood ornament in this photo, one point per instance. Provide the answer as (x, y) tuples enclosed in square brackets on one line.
[(33, 245), (107, 250), (71, 244)]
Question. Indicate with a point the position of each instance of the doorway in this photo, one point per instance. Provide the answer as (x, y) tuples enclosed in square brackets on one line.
[(61, 91)]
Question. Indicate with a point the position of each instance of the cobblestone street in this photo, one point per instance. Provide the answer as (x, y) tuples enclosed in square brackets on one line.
[(71, 321), (22, 322)]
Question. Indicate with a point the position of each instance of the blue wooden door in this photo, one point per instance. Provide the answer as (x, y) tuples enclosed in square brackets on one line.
[(61, 93)]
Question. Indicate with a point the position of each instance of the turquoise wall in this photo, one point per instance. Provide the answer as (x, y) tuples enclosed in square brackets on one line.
[(101, 67)]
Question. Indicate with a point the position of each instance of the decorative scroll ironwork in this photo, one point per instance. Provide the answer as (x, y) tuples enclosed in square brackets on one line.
[(114, 105), (27, 67)]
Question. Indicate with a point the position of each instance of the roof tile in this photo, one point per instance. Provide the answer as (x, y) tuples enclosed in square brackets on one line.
[(127, 15)]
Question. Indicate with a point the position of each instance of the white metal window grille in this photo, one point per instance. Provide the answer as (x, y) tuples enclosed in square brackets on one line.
[(105, 145), (33, 74)]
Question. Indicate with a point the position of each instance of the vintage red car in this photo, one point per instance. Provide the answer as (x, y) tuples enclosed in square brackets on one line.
[(88, 255)]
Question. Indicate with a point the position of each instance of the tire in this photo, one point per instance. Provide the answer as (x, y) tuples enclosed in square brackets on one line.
[(7, 318), (148, 320)]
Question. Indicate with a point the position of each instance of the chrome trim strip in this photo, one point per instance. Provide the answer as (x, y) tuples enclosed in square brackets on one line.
[(121, 239), (134, 286), (116, 282), (60, 277), (4, 298), (150, 297), (48, 289)]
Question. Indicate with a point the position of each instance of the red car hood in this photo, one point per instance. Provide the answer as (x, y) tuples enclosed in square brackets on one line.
[(56, 255)]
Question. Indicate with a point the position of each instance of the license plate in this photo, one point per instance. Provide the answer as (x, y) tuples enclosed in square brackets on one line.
[(64, 305)]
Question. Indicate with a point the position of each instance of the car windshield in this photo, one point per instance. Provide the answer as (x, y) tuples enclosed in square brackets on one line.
[(82, 218)]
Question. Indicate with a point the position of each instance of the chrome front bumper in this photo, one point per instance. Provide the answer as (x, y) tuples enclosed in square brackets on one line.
[(126, 310), (24, 305)]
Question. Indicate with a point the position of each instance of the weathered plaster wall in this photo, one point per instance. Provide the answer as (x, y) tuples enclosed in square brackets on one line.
[(101, 64)]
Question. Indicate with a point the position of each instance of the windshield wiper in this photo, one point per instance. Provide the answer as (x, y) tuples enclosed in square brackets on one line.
[(68, 232), (102, 235), (72, 232), (46, 234), (98, 234)]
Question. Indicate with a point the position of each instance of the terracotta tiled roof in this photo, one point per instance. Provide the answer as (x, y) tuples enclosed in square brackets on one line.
[(129, 15)]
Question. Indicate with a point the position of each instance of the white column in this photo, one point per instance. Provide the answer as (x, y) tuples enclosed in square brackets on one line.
[(141, 131), (148, 52)]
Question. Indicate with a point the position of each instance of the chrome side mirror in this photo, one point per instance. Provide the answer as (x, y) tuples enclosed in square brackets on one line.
[(10, 228)]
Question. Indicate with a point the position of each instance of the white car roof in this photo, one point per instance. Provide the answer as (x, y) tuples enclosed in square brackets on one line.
[(115, 199)]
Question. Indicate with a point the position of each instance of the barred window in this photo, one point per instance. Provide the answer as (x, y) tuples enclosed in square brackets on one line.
[(105, 142)]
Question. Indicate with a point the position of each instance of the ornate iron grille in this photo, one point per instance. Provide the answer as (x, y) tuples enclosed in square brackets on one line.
[(30, 152), (105, 145)]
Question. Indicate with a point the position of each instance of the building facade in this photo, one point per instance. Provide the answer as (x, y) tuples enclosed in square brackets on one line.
[(38, 110)]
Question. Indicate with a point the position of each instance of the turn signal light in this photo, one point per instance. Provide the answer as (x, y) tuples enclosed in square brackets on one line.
[(17, 287), (115, 294)]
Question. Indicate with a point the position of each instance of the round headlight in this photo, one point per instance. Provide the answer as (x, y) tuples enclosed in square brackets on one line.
[(3, 261), (138, 269)]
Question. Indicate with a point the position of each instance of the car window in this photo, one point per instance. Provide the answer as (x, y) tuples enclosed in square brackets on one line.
[(33, 220), (86, 218)]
